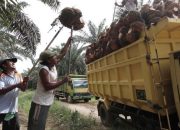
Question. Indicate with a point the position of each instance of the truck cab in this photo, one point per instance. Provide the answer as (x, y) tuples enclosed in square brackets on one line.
[(77, 89)]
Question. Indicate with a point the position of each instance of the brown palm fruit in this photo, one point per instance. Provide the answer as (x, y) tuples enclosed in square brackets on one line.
[(135, 31), (171, 9), (144, 11), (132, 37), (122, 36), (137, 26), (120, 23), (108, 50), (113, 45), (169, 5), (145, 8), (71, 17), (132, 16), (102, 40), (113, 31), (151, 16), (154, 21), (90, 53), (152, 13)]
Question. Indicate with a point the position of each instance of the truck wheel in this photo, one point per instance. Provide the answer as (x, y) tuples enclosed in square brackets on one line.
[(69, 99), (106, 117), (86, 100)]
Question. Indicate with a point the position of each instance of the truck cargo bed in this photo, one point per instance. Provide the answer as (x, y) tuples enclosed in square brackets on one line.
[(139, 74)]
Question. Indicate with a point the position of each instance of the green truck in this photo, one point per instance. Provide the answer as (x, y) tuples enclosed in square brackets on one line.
[(77, 89)]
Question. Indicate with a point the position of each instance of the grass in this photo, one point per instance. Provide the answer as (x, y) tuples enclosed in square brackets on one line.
[(25, 101), (63, 118), (71, 120)]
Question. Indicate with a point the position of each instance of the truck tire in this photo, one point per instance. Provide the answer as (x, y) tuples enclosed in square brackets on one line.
[(69, 99), (86, 100), (107, 118)]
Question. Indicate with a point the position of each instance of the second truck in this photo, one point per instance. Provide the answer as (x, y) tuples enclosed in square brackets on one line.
[(77, 89)]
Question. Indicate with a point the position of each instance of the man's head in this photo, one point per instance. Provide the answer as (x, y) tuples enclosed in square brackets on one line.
[(8, 64), (48, 57)]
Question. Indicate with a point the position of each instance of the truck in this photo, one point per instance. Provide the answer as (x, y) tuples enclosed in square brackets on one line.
[(140, 83), (77, 89)]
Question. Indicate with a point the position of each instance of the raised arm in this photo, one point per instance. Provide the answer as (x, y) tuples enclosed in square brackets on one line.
[(65, 49)]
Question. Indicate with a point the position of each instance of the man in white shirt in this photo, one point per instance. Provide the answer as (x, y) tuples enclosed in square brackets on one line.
[(130, 5), (47, 82), (10, 83)]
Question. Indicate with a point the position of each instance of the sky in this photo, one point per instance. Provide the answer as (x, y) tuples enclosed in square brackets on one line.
[(43, 16)]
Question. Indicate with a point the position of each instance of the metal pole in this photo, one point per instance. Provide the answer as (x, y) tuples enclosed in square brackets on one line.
[(69, 64), (45, 49)]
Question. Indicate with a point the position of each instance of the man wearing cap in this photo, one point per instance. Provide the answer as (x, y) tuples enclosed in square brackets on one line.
[(47, 82), (10, 84)]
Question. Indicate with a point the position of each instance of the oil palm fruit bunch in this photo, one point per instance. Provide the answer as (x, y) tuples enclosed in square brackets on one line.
[(171, 9), (71, 17), (150, 15), (134, 31), (131, 17)]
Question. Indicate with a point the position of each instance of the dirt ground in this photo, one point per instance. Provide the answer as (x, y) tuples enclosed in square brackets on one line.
[(24, 119), (86, 109)]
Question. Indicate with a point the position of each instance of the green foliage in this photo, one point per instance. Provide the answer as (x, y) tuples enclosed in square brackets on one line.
[(54, 4), (71, 120), (92, 35), (75, 59), (17, 30), (18, 34), (64, 118), (25, 100), (33, 77)]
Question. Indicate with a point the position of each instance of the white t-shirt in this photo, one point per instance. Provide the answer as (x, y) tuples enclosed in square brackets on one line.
[(9, 101), (42, 96)]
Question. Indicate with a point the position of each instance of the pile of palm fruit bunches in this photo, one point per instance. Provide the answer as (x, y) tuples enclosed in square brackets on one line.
[(128, 28)]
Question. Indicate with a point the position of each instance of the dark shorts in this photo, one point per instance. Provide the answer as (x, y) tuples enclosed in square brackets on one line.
[(12, 124), (37, 116)]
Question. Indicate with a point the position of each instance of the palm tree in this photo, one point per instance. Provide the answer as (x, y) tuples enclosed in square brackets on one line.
[(54, 4), (18, 32), (15, 24), (77, 64), (91, 36)]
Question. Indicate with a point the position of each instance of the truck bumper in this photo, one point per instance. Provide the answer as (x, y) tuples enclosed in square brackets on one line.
[(81, 97)]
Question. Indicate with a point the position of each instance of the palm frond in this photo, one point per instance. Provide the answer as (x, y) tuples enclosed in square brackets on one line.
[(54, 4), (17, 23), (92, 29), (26, 30), (101, 26)]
